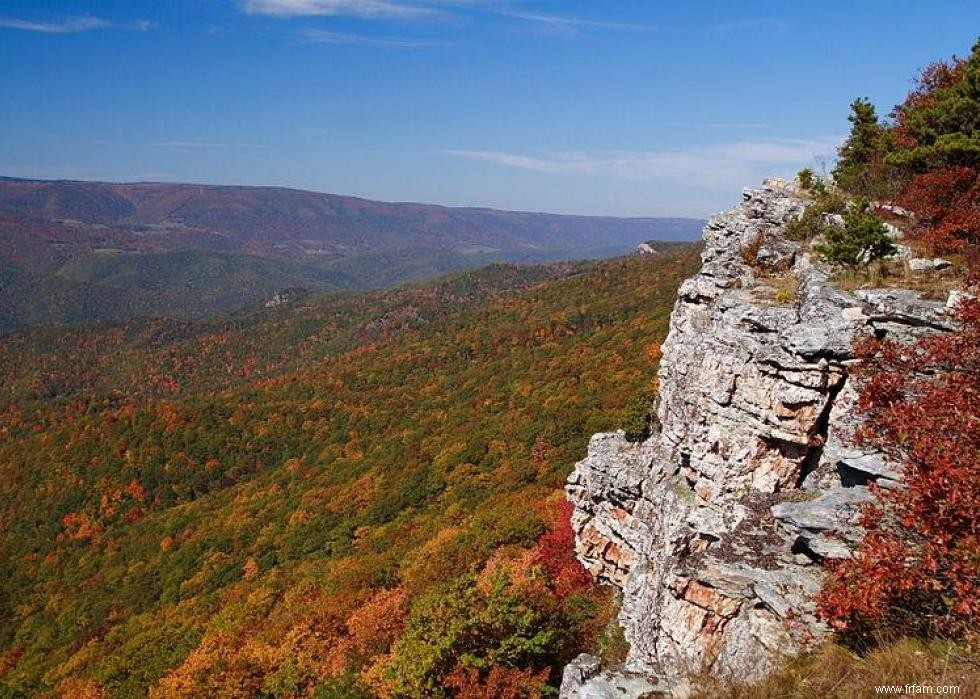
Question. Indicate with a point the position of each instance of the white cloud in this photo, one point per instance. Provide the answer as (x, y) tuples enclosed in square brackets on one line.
[(407, 9), (321, 36), (68, 26), (559, 163), (357, 8), (72, 25), (722, 166), (571, 24)]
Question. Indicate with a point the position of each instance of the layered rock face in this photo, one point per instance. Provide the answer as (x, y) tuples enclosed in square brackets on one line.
[(716, 528)]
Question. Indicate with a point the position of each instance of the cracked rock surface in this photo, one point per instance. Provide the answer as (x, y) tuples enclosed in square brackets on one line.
[(716, 528)]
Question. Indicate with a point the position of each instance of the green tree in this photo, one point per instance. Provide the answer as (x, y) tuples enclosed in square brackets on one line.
[(861, 240), (474, 628), (639, 414), (860, 156), (806, 178), (940, 119)]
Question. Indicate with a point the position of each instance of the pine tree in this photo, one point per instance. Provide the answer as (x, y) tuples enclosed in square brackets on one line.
[(940, 120), (860, 156), (862, 239)]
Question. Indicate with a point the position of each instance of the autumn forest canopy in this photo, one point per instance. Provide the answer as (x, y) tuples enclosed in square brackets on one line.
[(347, 496)]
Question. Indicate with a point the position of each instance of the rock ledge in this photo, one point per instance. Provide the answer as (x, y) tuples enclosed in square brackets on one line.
[(716, 528)]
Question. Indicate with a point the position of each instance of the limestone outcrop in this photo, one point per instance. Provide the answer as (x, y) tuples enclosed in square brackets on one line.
[(718, 526)]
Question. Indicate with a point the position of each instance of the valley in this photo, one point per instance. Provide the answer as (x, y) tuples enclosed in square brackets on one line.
[(282, 497), (80, 251)]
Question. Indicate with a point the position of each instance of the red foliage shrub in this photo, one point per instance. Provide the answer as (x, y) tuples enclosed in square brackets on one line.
[(556, 554), (918, 569), (947, 205)]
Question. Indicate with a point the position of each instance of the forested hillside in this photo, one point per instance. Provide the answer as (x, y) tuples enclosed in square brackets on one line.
[(82, 251), (351, 495)]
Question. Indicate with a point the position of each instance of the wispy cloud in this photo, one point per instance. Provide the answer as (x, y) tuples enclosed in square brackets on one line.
[(719, 166), (202, 145), (573, 24), (356, 8), (72, 25), (770, 24), (556, 163), (410, 9), (321, 36)]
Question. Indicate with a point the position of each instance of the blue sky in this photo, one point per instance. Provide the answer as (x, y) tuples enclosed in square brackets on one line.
[(625, 107)]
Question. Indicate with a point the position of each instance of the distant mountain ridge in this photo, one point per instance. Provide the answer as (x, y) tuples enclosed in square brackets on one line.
[(74, 250)]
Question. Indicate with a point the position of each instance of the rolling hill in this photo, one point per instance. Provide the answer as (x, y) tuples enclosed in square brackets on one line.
[(75, 251)]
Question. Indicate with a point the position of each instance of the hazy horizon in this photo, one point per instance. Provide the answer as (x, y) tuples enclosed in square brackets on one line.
[(406, 202)]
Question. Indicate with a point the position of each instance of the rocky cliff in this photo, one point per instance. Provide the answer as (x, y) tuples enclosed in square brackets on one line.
[(717, 527)]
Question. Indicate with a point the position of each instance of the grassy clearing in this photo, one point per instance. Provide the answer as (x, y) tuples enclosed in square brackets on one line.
[(935, 284), (834, 671)]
